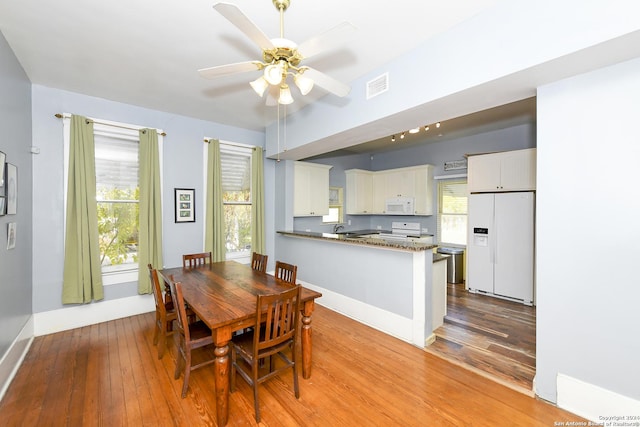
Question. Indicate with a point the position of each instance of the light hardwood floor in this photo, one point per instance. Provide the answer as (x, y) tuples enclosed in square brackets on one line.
[(492, 336), (108, 374)]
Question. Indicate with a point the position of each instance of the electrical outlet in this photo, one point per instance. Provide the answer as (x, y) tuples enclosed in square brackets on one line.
[(378, 227), (425, 230), (349, 222)]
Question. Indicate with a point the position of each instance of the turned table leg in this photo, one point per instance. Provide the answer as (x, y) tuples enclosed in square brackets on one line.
[(221, 373), (306, 339)]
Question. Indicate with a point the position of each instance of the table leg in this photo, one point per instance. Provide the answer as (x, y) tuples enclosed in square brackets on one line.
[(306, 339), (221, 374)]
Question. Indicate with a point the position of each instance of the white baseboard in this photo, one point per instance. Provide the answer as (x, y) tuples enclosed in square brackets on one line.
[(13, 358), (77, 316), (382, 320), (594, 403)]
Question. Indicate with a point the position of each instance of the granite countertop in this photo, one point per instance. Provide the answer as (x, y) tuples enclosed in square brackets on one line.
[(352, 238)]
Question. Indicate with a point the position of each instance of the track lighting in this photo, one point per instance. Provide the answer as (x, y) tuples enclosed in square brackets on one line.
[(414, 130)]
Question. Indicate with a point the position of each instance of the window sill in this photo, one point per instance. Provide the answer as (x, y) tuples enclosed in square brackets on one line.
[(117, 277)]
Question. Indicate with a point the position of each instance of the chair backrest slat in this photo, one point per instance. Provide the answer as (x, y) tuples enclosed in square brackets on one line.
[(157, 291), (280, 318), (259, 262), (178, 303), (194, 260), (286, 272)]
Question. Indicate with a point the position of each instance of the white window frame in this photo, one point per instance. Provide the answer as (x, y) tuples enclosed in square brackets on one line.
[(335, 202), (240, 148), (452, 180), (119, 130)]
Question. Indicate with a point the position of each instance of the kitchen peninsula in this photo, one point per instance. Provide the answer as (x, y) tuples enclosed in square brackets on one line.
[(394, 286)]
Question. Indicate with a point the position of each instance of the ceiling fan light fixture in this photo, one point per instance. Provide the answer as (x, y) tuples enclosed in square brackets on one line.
[(259, 85), (285, 95), (273, 74), (305, 84)]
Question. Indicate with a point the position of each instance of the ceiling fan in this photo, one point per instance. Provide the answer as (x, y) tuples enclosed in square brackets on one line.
[(281, 57)]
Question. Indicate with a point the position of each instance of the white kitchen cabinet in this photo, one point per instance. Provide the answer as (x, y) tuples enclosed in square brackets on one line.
[(504, 171), (378, 186), (379, 192), (423, 178), (392, 183), (359, 192), (311, 189), (400, 182)]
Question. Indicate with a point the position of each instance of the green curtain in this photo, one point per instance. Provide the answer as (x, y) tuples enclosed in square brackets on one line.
[(214, 228), (82, 277), (150, 209), (257, 197)]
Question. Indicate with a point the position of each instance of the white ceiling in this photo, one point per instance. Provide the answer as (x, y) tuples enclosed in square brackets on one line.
[(146, 52)]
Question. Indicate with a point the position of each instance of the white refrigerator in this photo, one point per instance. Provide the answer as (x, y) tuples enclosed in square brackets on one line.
[(500, 247)]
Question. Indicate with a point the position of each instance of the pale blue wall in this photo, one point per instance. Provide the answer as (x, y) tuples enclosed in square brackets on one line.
[(183, 168), (587, 253), (15, 141)]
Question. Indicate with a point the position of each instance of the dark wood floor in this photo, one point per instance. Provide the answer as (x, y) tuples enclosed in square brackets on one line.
[(109, 375), (493, 336)]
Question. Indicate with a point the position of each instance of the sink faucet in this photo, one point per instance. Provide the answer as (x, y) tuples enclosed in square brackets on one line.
[(337, 228)]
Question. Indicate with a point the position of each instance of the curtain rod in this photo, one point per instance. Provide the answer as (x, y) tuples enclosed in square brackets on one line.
[(60, 116), (233, 144)]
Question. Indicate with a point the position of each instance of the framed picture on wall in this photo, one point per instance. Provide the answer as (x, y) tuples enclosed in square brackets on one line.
[(185, 201), (11, 184)]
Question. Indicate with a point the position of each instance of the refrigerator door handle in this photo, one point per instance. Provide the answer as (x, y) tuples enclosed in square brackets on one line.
[(494, 245)]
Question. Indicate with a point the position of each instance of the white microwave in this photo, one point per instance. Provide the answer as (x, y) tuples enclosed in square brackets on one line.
[(399, 206)]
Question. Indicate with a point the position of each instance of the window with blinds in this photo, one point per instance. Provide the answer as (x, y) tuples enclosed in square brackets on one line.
[(452, 212), (117, 193), (235, 163)]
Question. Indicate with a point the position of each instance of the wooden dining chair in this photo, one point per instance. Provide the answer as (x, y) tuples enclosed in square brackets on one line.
[(286, 272), (192, 336), (259, 262), (165, 314), (277, 328), (194, 260)]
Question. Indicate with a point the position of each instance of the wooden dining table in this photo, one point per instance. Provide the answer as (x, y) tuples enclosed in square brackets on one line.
[(223, 296)]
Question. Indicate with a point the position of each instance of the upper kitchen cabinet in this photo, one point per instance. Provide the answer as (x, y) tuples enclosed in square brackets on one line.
[(359, 192), (367, 191), (310, 189), (505, 171), (423, 178)]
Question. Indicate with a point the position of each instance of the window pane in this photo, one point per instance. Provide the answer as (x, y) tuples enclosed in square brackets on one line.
[(237, 220), (334, 216), (117, 194), (454, 229), (118, 233), (452, 215)]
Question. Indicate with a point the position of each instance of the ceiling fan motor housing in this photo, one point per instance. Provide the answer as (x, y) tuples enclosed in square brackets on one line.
[(281, 4)]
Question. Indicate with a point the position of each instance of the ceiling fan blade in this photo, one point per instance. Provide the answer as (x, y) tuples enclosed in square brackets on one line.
[(244, 24), (330, 39), (226, 70), (328, 83)]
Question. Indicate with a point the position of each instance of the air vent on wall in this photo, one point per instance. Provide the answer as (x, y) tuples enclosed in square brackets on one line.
[(378, 85)]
